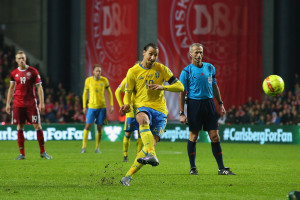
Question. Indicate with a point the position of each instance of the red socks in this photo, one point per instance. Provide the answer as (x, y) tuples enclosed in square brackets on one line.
[(40, 138), (21, 142)]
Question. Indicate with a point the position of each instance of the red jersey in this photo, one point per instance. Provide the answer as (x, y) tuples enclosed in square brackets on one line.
[(25, 95)]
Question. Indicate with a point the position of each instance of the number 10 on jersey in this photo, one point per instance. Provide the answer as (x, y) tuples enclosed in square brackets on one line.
[(148, 82)]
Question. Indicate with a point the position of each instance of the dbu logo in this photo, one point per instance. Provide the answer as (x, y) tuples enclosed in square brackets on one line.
[(113, 19)]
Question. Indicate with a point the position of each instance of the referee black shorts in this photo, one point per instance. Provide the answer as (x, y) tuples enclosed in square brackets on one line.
[(202, 114)]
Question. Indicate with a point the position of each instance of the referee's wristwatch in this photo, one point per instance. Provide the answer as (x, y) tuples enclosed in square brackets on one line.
[(181, 112), (220, 103)]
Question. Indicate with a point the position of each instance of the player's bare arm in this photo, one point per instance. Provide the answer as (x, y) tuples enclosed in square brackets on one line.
[(41, 97), (182, 118), (156, 87), (111, 110), (110, 96), (127, 101), (175, 86), (125, 109), (217, 95), (10, 94)]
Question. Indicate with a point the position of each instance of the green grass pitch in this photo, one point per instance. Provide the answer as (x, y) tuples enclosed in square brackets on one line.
[(263, 172)]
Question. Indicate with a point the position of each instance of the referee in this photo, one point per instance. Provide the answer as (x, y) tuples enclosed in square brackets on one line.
[(201, 86)]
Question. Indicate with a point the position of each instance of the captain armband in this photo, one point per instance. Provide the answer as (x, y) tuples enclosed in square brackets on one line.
[(172, 80)]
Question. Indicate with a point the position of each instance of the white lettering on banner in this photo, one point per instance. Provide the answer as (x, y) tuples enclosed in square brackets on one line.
[(176, 134), (114, 20), (112, 132), (8, 134), (97, 5), (217, 23), (30, 135), (179, 30), (107, 21), (231, 134), (222, 24), (181, 3), (112, 32), (201, 10), (71, 133), (217, 20)]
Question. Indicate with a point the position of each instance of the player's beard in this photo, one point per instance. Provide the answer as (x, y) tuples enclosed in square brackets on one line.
[(150, 63)]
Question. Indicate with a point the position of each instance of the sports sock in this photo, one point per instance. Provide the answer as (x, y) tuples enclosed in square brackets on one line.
[(21, 141), (126, 144), (136, 166), (147, 139), (217, 151), (40, 138), (98, 139), (85, 138), (191, 147), (139, 145)]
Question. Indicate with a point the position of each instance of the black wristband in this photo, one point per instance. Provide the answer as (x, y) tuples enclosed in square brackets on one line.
[(220, 102), (181, 112)]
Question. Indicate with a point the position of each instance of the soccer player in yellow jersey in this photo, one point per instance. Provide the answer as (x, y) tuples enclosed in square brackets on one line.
[(94, 88), (146, 80), (130, 123)]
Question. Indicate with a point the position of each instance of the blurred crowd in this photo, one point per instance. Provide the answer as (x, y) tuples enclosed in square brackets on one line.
[(62, 106), (281, 110)]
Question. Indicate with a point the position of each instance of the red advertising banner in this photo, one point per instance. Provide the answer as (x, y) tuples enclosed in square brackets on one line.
[(111, 40), (231, 33)]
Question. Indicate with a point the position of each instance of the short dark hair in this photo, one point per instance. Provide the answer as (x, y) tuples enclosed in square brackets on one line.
[(154, 46), (96, 65)]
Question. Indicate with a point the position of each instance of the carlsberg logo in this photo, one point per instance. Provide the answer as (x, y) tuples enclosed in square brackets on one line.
[(176, 134), (112, 132), (181, 134), (51, 133), (231, 134)]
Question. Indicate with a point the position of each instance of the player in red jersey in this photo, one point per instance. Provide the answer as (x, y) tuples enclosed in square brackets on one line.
[(23, 80)]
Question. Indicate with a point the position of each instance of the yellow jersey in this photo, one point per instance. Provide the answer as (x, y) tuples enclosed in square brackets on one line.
[(95, 89), (139, 78)]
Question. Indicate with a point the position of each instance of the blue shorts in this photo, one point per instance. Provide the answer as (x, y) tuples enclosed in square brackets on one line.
[(96, 115), (130, 124), (158, 120), (202, 114)]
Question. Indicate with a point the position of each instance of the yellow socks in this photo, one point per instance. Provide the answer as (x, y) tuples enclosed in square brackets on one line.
[(126, 144), (139, 145), (85, 138), (147, 138), (136, 166), (98, 138)]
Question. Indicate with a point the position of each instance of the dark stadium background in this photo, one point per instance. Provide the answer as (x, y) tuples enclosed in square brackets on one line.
[(260, 136), (53, 34)]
